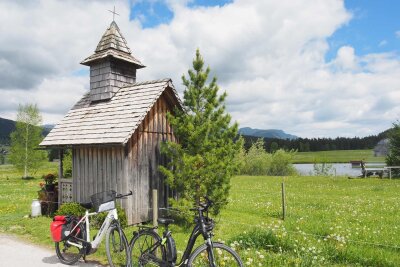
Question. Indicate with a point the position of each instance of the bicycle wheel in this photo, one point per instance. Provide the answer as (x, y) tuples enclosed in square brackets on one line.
[(142, 253), (68, 253), (117, 247), (223, 256)]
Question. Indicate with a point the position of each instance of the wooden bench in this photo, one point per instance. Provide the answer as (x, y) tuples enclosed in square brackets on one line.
[(369, 169)]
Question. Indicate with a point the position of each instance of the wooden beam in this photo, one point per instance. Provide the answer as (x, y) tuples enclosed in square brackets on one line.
[(60, 173)]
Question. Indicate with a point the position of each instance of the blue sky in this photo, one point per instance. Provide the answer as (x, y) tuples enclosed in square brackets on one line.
[(154, 13), (372, 29)]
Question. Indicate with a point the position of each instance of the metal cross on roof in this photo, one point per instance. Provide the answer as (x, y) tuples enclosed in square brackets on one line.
[(114, 13)]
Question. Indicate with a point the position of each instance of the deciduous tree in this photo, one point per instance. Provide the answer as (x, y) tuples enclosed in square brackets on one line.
[(25, 139), (393, 158)]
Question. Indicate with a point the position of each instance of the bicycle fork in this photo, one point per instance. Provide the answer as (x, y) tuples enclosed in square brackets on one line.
[(210, 249), (121, 239)]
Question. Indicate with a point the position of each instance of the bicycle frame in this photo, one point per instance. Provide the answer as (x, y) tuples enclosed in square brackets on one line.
[(196, 232), (111, 216)]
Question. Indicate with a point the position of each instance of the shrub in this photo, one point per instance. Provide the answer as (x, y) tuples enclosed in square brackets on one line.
[(67, 164), (98, 219), (71, 208), (281, 163), (259, 162)]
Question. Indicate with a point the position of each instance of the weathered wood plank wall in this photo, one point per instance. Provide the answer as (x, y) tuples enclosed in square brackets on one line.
[(145, 157), (133, 167), (96, 169)]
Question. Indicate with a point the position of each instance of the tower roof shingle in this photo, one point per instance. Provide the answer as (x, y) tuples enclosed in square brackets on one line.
[(113, 44)]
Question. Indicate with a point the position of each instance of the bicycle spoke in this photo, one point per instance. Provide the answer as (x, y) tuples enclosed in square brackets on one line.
[(223, 256), (143, 253)]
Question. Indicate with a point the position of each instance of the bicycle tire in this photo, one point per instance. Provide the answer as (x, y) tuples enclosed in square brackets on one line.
[(140, 243), (117, 249), (224, 256), (69, 254)]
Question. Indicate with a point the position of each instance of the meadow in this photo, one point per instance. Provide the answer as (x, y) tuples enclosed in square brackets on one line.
[(337, 156), (330, 221)]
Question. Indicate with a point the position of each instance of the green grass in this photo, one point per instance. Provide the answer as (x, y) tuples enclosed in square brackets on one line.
[(16, 196), (337, 156), (331, 221)]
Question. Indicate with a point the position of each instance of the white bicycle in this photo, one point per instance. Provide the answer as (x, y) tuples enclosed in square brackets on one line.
[(72, 234)]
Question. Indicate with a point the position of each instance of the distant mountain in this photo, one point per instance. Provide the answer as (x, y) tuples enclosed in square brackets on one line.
[(270, 133), (48, 128), (8, 126)]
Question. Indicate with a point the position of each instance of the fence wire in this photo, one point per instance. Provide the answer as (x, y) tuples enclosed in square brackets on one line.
[(248, 225)]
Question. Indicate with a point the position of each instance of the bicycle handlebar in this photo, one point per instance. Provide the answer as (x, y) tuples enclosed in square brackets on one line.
[(203, 206), (124, 195)]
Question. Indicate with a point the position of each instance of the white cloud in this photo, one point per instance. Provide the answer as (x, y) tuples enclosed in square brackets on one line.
[(268, 56), (383, 43), (346, 59), (54, 97), (397, 33)]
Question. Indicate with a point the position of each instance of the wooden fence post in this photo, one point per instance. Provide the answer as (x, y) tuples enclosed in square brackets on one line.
[(283, 202), (155, 207)]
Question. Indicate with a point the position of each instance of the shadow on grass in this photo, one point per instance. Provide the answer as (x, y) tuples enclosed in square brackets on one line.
[(28, 178)]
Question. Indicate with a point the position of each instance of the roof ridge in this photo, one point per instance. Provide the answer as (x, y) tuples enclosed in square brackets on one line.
[(147, 82)]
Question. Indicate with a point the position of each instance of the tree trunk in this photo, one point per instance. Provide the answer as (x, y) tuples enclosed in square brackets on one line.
[(26, 151)]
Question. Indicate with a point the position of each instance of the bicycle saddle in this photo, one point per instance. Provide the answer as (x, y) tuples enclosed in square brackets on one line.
[(87, 205), (165, 221)]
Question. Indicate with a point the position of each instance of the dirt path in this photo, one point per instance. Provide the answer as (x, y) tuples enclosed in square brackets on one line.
[(14, 252)]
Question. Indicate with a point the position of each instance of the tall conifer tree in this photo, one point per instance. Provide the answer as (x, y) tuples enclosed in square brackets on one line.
[(203, 160)]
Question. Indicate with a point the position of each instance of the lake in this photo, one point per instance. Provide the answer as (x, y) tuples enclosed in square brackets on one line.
[(338, 169)]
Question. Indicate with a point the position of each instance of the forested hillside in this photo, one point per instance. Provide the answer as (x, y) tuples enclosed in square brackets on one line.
[(8, 126), (319, 144), (269, 133)]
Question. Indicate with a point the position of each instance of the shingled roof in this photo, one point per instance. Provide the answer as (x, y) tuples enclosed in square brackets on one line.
[(113, 44), (109, 122)]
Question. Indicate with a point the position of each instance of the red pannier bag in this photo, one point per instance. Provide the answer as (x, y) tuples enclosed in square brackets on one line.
[(61, 226), (56, 228)]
